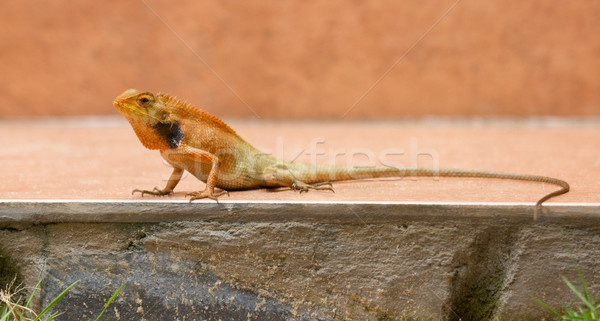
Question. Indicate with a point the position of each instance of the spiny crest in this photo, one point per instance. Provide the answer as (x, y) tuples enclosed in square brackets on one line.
[(191, 109)]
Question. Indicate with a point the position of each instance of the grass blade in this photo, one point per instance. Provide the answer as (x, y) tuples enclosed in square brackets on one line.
[(55, 300), (547, 307), (578, 294), (37, 286), (586, 290), (52, 316), (109, 301), (4, 316)]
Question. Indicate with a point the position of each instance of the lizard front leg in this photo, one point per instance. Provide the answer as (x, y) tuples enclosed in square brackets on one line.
[(173, 181), (211, 182), (185, 154)]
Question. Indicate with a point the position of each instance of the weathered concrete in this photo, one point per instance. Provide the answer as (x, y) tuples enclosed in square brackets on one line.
[(269, 261)]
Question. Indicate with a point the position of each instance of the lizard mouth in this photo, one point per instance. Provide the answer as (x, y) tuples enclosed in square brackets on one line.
[(125, 109), (133, 112), (124, 105), (122, 108)]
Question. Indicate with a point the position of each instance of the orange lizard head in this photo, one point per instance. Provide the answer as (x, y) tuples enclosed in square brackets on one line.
[(150, 119)]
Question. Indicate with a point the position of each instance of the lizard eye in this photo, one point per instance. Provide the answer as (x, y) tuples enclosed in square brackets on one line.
[(143, 101)]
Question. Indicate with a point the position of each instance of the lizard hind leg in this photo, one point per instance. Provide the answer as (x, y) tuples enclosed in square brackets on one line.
[(281, 175), (320, 186)]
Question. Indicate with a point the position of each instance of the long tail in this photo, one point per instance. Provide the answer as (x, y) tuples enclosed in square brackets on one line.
[(321, 173)]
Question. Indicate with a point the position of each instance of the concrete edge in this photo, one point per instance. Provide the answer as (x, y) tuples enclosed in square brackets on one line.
[(125, 211)]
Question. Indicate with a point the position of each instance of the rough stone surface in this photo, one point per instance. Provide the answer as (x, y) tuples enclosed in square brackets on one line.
[(411, 269)]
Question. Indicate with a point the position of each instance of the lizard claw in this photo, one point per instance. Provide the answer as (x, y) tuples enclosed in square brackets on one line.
[(206, 194), (156, 191)]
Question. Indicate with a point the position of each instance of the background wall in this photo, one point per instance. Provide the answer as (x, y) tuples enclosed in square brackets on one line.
[(304, 59)]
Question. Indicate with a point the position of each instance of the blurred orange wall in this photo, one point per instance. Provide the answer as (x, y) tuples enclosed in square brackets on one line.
[(304, 59)]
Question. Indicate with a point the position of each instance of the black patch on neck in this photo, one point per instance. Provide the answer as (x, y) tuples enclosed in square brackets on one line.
[(171, 132)]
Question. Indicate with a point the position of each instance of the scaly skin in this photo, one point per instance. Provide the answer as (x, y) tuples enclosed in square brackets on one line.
[(193, 140)]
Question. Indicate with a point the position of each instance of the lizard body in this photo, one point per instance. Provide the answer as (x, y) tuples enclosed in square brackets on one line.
[(193, 140)]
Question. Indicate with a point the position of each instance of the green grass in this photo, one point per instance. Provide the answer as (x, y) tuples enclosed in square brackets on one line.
[(588, 310), (14, 308)]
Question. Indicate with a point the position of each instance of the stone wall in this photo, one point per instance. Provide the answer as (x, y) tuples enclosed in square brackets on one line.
[(385, 266)]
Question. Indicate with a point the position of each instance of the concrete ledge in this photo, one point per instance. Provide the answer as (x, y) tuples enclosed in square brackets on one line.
[(96, 211), (272, 260)]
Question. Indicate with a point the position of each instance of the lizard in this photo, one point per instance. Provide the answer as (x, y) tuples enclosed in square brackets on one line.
[(191, 139)]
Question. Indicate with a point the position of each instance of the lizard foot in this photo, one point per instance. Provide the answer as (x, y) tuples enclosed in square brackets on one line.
[(156, 191), (205, 194), (303, 187)]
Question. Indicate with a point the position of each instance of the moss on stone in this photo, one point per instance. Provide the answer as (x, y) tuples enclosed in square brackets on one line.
[(480, 301), (8, 272)]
